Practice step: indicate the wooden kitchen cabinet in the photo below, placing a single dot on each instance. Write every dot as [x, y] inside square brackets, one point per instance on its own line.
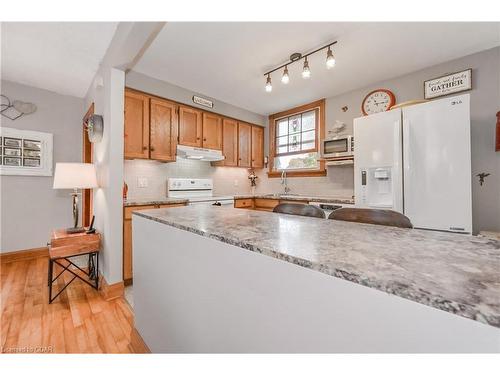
[212, 131]
[257, 147]
[190, 127]
[243, 203]
[136, 118]
[230, 142]
[127, 236]
[244, 145]
[163, 130]
[264, 204]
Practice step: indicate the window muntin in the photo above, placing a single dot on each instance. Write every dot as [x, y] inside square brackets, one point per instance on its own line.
[296, 142]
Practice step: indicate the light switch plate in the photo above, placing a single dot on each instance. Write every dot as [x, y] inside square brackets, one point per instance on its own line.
[142, 182]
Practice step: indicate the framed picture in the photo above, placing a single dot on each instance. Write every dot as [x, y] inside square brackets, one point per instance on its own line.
[12, 151]
[25, 152]
[448, 84]
[13, 162]
[33, 145]
[28, 162]
[12, 142]
[31, 153]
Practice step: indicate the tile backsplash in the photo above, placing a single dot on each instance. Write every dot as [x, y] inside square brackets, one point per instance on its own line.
[227, 181]
[339, 182]
[230, 181]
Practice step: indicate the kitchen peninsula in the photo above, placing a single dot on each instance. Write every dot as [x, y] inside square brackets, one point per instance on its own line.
[221, 279]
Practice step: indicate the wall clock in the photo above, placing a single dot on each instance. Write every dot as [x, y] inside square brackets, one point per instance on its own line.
[379, 100]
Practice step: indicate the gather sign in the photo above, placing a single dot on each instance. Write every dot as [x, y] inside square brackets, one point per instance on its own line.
[448, 84]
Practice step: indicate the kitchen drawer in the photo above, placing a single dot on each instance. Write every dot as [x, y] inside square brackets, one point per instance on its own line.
[127, 213]
[243, 203]
[266, 203]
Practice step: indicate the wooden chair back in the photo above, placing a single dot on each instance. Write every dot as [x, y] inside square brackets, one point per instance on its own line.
[299, 209]
[372, 216]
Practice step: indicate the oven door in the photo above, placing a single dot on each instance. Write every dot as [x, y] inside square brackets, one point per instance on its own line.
[336, 147]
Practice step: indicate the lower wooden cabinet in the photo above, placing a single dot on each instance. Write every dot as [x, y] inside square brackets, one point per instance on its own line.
[127, 236]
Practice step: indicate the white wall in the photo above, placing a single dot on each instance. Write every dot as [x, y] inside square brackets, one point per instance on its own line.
[108, 158]
[30, 208]
[485, 103]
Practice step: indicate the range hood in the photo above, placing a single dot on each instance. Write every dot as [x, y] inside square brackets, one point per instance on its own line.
[196, 153]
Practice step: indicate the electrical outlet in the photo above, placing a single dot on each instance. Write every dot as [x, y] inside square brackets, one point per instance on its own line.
[142, 182]
[235, 183]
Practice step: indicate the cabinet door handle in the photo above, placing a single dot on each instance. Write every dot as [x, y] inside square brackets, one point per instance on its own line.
[151, 148]
[144, 148]
[204, 139]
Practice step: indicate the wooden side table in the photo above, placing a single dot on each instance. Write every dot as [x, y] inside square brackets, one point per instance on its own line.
[64, 246]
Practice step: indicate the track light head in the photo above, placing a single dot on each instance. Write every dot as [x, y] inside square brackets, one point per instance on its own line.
[285, 78]
[330, 60]
[269, 86]
[306, 72]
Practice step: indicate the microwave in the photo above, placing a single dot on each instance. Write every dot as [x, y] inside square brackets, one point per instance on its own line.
[338, 147]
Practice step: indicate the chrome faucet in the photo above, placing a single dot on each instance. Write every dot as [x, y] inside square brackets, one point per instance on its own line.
[284, 182]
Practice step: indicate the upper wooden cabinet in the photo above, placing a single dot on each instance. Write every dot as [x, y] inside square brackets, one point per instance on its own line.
[244, 145]
[230, 142]
[190, 127]
[163, 130]
[257, 147]
[136, 125]
[212, 131]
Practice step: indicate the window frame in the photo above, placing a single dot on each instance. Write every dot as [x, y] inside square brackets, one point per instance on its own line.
[319, 106]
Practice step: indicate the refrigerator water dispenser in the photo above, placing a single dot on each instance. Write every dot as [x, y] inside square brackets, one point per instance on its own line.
[377, 187]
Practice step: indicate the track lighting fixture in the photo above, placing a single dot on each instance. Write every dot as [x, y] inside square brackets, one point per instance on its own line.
[285, 78]
[306, 71]
[269, 86]
[330, 60]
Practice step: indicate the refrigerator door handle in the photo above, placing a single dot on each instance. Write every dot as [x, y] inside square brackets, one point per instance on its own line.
[406, 145]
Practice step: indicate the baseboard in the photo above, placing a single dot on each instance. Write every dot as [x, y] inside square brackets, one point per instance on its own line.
[27, 254]
[111, 291]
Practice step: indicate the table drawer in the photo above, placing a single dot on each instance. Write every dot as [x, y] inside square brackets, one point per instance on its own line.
[243, 203]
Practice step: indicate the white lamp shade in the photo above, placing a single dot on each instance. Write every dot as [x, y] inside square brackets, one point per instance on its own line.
[75, 176]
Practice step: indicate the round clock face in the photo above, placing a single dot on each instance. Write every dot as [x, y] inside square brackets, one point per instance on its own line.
[378, 101]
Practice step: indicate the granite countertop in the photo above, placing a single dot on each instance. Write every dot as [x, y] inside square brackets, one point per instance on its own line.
[298, 197]
[456, 273]
[152, 201]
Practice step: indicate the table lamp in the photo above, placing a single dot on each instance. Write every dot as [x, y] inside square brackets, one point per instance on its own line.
[75, 176]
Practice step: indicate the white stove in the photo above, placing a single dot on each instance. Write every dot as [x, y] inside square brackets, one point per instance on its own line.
[197, 191]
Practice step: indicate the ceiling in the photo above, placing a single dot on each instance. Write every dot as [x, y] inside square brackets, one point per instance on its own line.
[226, 61]
[58, 56]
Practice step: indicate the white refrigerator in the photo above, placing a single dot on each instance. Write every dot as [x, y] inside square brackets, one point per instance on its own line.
[417, 160]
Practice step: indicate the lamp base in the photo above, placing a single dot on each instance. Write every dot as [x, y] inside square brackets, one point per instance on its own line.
[75, 230]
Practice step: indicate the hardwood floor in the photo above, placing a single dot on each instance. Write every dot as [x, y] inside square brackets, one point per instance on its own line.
[78, 321]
